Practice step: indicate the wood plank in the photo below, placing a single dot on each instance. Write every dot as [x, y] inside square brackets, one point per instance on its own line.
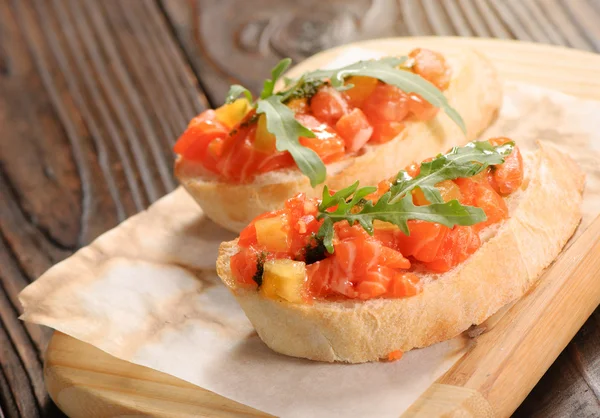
[107, 387]
[92, 98]
[492, 366]
[259, 33]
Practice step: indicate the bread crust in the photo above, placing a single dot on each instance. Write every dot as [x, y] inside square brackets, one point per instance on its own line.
[475, 91]
[501, 271]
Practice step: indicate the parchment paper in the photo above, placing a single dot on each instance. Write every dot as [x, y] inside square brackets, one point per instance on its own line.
[146, 292]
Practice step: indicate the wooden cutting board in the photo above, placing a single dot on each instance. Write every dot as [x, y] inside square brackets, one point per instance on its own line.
[488, 381]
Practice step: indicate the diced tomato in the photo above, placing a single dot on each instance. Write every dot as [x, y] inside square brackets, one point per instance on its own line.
[456, 247]
[507, 177]
[431, 66]
[363, 87]
[244, 266]
[413, 169]
[247, 236]
[382, 188]
[302, 213]
[385, 131]
[201, 130]
[298, 105]
[386, 103]
[296, 207]
[420, 108]
[355, 129]
[328, 105]
[395, 355]
[404, 284]
[476, 191]
[326, 143]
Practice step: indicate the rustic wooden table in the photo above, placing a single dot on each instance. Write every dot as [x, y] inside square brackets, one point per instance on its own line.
[93, 95]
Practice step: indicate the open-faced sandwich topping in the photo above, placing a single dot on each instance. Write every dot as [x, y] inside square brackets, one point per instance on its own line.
[363, 243]
[322, 117]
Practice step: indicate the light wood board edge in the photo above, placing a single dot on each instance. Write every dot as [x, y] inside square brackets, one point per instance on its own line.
[492, 372]
[85, 382]
[441, 401]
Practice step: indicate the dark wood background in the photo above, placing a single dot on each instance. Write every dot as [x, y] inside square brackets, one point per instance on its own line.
[93, 94]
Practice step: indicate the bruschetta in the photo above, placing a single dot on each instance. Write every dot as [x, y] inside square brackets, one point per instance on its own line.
[367, 273]
[248, 157]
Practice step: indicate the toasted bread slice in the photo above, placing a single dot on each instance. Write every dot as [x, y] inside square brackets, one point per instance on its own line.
[475, 91]
[544, 213]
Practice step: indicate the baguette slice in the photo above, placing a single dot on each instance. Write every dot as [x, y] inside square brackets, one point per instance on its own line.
[475, 91]
[543, 215]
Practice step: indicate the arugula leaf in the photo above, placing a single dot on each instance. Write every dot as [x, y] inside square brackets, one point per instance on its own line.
[300, 89]
[329, 200]
[339, 198]
[465, 161]
[386, 71]
[397, 207]
[446, 213]
[276, 72]
[236, 91]
[287, 130]
[326, 234]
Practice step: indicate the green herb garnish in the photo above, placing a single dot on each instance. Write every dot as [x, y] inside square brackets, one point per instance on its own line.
[397, 207]
[260, 268]
[465, 161]
[282, 123]
[315, 251]
[287, 130]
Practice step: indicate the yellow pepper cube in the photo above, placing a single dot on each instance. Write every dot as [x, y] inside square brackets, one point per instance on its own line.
[285, 279]
[233, 113]
[264, 140]
[272, 233]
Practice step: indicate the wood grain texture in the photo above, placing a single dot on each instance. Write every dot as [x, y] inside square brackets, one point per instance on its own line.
[92, 97]
[105, 387]
[261, 32]
[568, 293]
[93, 93]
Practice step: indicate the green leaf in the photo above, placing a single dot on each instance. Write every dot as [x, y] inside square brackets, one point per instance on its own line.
[276, 72]
[328, 201]
[386, 71]
[236, 91]
[287, 130]
[399, 213]
[339, 198]
[326, 234]
[460, 162]
[397, 207]
[449, 213]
